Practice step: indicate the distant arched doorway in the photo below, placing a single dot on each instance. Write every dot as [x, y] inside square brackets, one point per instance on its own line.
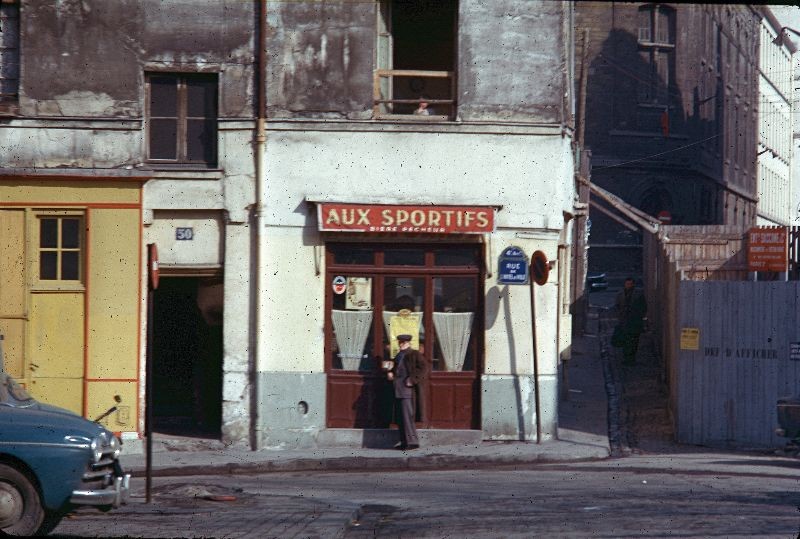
[656, 199]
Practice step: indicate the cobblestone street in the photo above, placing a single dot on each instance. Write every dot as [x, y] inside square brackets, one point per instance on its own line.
[687, 495]
[200, 507]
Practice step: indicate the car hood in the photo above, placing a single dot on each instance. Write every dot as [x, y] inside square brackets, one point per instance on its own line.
[45, 423]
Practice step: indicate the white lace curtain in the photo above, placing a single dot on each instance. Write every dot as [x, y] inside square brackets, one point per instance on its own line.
[352, 329]
[453, 331]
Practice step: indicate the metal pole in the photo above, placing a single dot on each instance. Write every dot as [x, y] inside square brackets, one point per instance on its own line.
[535, 364]
[148, 407]
[260, 212]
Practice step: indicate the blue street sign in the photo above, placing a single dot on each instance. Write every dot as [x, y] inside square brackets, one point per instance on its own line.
[512, 267]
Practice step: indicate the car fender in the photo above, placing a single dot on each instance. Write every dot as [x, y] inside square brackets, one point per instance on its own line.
[57, 467]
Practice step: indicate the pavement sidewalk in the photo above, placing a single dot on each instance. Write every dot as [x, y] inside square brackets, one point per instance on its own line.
[582, 435]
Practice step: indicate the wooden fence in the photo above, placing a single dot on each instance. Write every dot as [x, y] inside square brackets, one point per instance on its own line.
[720, 399]
[726, 390]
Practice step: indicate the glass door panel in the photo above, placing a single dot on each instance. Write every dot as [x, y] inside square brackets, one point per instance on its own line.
[351, 320]
[403, 311]
[455, 307]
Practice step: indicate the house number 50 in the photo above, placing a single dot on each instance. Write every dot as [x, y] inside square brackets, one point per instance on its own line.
[184, 233]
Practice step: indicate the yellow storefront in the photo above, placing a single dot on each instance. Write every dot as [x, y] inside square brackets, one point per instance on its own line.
[70, 292]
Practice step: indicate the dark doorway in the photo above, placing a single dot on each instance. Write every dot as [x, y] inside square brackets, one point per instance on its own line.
[187, 357]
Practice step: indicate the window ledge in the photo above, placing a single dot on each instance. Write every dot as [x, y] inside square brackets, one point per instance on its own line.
[412, 125]
[187, 173]
[415, 117]
[66, 287]
[9, 109]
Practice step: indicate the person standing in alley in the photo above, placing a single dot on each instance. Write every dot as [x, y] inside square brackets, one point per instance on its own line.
[409, 375]
[631, 309]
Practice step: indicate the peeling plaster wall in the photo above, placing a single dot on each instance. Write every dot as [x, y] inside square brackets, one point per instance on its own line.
[81, 106]
[530, 175]
[98, 51]
[73, 144]
[320, 59]
[512, 57]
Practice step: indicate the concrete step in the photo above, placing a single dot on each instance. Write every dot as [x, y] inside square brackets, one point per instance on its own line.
[170, 442]
[367, 438]
[385, 438]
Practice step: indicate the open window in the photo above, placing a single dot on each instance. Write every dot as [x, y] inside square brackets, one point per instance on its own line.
[656, 88]
[416, 58]
[9, 57]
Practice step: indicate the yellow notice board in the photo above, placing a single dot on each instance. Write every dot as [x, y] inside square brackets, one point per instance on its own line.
[690, 338]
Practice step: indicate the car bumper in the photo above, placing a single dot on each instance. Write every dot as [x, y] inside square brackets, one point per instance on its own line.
[113, 495]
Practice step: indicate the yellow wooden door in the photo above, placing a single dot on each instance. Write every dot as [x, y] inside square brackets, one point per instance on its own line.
[56, 349]
[13, 312]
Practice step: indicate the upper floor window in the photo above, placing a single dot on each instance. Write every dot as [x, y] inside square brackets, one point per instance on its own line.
[656, 85]
[60, 246]
[182, 119]
[9, 55]
[656, 25]
[415, 75]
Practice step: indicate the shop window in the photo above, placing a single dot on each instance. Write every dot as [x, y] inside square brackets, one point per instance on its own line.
[430, 293]
[403, 311]
[351, 255]
[352, 315]
[60, 248]
[416, 47]
[656, 84]
[9, 56]
[404, 257]
[467, 256]
[455, 305]
[182, 119]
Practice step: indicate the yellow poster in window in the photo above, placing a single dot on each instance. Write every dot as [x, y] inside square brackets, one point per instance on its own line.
[404, 322]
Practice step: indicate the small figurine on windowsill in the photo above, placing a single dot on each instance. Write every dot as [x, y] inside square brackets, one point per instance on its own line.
[422, 109]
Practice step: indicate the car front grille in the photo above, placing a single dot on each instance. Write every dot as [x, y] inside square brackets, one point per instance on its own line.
[100, 475]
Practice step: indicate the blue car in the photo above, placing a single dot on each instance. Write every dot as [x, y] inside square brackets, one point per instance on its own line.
[52, 461]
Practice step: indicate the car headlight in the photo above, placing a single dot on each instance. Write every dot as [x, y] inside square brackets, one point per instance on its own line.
[97, 448]
[116, 446]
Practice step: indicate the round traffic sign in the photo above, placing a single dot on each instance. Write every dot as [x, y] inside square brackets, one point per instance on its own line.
[152, 265]
[540, 268]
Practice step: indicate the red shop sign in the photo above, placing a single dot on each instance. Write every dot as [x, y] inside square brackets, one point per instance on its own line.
[405, 219]
[767, 249]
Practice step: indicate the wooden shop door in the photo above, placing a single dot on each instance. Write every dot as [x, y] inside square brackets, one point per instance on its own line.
[376, 292]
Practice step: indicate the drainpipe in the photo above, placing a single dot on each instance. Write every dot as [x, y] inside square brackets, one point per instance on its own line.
[260, 258]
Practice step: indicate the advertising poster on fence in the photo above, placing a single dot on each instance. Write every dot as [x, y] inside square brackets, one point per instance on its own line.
[767, 249]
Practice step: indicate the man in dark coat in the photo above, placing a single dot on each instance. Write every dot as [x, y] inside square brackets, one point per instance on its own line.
[410, 377]
[631, 309]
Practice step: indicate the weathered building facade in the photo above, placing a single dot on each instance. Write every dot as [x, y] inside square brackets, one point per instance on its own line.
[344, 80]
[672, 103]
[364, 184]
[776, 186]
[135, 121]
